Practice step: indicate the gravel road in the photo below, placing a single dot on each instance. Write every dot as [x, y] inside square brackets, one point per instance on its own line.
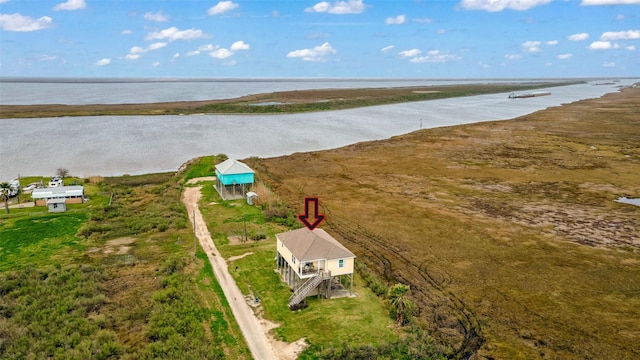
[253, 331]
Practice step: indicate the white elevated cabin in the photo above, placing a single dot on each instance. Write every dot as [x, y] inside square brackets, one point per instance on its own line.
[313, 259]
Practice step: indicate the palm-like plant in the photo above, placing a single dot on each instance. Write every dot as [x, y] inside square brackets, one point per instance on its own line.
[5, 190]
[403, 306]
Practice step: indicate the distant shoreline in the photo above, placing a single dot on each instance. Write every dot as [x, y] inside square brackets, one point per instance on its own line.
[76, 80]
[285, 102]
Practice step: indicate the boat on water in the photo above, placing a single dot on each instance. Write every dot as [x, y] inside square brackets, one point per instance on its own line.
[528, 95]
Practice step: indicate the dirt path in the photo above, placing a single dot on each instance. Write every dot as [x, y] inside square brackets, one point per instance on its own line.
[252, 329]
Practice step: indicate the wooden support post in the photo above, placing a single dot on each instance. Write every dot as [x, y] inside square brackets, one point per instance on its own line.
[351, 287]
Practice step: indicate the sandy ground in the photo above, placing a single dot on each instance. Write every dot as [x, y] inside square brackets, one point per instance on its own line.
[255, 330]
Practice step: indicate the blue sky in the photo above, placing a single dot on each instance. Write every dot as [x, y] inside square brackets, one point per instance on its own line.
[299, 38]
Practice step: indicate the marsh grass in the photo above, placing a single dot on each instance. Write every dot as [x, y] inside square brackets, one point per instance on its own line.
[202, 167]
[112, 281]
[506, 231]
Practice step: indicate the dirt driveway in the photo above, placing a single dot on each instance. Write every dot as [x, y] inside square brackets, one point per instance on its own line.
[255, 330]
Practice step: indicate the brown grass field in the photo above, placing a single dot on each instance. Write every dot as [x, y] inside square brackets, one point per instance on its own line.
[507, 231]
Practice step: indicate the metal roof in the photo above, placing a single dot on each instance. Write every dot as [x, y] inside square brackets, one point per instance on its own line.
[61, 191]
[231, 166]
[317, 244]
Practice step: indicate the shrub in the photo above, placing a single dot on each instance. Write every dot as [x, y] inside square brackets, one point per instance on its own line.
[299, 306]
[258, 236]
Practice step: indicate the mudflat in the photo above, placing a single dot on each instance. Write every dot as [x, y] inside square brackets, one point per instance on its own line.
[508, 232]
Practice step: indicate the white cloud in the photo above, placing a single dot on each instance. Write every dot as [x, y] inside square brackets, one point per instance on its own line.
[239, 45]
[400, 19]
[410, 53]
[222, 7]
[441, 31]
[338, 7]
[552, 42]
[631, 48]
[17, 22]
[578, 37]
[620, 17]
[173, 33]
[217, 52]
[156, 46]
[620, 35]
[531, 46]
[136, 51]
[609, 64]
[221, 53]
[386, 49]
[207, 47]
[158, 17]
[609, 2]
[4, 1]
[175, 56]
[156, 64]
[499, 5]
[126, 32]
[316, 54]
[564, 56]
[434, 56]
[513, 56]
[70, 5]
[103, 62]
[600, 45]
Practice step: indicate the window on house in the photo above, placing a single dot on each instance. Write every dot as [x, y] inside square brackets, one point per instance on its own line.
[341, 263]
[293, 259]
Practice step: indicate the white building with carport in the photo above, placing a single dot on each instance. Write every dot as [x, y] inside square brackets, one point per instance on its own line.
[57, 197]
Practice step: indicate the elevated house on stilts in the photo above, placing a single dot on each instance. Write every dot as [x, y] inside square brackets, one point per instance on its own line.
[233, 179]
[312, 263]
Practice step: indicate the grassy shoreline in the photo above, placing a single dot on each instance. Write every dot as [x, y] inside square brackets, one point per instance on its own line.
[277, 102]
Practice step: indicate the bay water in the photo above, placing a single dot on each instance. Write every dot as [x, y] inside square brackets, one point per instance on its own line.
[116, 145]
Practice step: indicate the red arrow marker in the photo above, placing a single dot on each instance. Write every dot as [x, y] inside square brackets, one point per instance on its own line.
[317, 218]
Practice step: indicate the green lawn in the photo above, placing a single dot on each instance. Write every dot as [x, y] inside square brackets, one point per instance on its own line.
[36, 240]
[358, 321]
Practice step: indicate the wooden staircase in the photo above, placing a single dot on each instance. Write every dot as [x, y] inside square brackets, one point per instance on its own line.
[304, 290]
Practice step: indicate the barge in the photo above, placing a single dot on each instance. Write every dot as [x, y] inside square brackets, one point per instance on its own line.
[528, 95]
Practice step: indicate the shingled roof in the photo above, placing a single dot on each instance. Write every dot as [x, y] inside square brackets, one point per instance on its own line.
[307, 245]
